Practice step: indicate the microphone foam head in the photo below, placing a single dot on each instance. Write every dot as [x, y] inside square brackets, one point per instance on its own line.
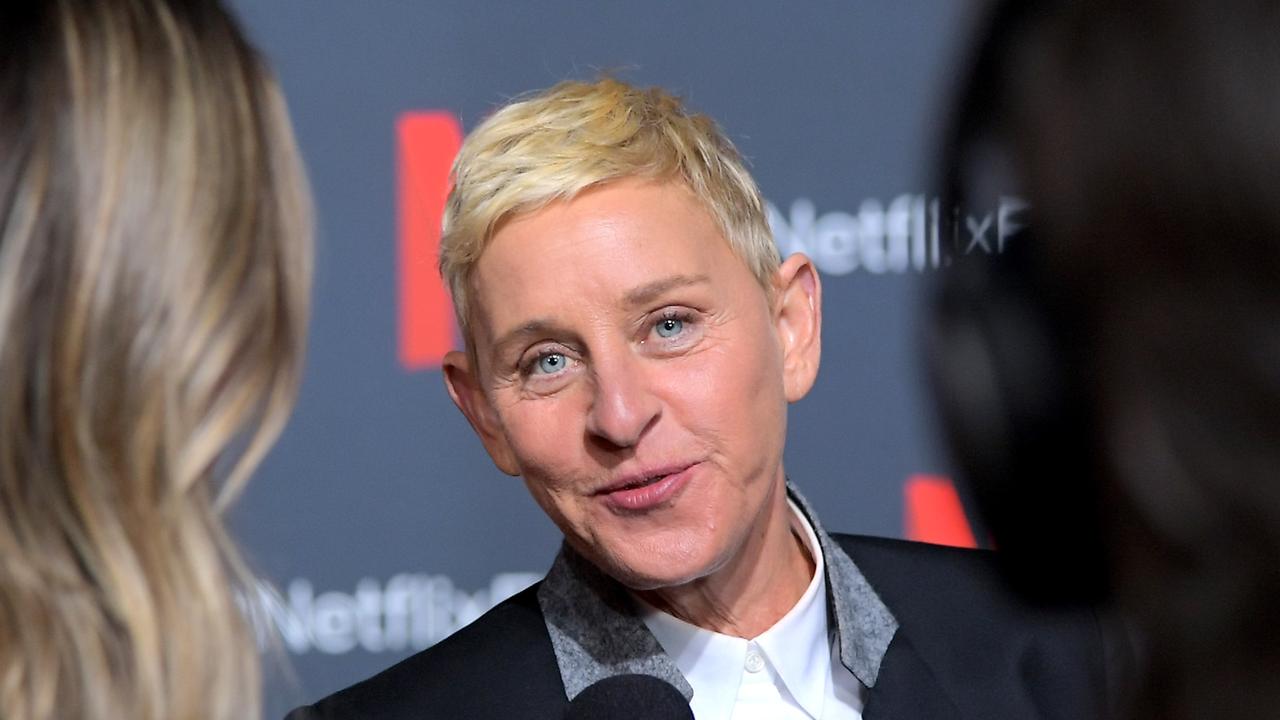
[630, 697]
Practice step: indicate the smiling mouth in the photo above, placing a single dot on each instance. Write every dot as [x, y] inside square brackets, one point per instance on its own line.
[642, 494]
[643, 481]
[632, 484]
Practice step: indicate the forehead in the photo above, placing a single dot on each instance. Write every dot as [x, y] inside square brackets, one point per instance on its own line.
[595, 249]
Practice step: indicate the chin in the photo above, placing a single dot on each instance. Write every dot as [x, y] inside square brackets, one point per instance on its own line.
[641, 582]
[641, 571]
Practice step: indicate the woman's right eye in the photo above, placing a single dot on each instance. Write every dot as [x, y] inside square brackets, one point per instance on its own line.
[550, 363]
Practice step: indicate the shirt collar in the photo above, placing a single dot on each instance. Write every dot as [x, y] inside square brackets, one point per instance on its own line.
[710, 661]
[797, 647]
[596, 632]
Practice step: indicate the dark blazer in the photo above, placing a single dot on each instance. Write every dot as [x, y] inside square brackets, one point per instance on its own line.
[964, 648]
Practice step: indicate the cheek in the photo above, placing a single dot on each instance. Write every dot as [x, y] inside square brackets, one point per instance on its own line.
[732, 394]
[545, 437]
[545, 497]
[743, 374]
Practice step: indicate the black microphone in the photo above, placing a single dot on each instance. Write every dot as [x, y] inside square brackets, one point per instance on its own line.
[629, 697]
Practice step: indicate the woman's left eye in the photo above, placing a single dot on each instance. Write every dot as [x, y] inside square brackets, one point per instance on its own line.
[669, 327]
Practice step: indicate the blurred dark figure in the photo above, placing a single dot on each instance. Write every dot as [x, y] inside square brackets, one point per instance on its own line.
[1111, 382]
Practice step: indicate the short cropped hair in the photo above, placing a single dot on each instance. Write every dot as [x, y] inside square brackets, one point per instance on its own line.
[576, 135]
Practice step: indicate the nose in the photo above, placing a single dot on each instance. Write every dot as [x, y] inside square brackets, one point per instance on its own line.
[623, 405]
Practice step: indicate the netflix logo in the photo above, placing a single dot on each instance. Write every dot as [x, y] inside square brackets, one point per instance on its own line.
[427, 143]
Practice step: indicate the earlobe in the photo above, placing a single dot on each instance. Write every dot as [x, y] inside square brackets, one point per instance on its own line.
[462, 382]
[798, 319]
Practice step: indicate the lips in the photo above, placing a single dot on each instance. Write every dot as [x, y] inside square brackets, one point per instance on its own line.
[645, 490]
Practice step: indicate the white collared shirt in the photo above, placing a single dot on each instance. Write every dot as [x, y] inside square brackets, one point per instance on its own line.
[791, 670]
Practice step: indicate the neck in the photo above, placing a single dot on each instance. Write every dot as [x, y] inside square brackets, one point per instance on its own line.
[763, 580]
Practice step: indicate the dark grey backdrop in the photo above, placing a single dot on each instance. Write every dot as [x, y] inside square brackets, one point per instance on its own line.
[378, 516]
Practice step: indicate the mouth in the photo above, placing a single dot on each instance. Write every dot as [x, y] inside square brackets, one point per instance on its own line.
[646, 490]
[641, 480]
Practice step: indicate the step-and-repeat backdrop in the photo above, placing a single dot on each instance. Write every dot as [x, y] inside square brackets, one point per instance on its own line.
[378, 519]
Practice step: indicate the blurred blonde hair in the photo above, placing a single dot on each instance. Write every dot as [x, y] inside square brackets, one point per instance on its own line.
[154, 272]
[556, 143]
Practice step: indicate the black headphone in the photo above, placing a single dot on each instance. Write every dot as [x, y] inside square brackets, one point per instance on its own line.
[1008, 375]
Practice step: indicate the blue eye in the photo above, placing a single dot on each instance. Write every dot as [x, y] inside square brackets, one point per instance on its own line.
[552, 363]
[669, 327]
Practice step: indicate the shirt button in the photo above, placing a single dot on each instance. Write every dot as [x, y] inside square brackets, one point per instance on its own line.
[754, 663]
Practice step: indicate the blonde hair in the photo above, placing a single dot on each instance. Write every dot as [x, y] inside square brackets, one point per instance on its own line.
[556, 143]
[154, 272]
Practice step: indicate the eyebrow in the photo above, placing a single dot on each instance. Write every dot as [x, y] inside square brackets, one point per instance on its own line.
[649, 292]
[537, 326]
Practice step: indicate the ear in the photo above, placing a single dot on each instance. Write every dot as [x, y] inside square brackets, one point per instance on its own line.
[462, 381]
[798, 321]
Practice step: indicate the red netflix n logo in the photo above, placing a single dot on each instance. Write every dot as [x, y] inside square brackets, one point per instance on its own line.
[428, 142]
